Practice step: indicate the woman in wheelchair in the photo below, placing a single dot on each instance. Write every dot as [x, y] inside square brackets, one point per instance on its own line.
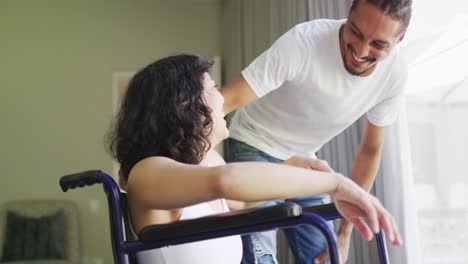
[163, 137]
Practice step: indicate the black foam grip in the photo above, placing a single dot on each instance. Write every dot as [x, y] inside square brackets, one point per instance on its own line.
[321, 209]
[80, 179]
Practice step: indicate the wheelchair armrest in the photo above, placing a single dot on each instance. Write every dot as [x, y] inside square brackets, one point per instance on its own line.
[219, 222]
[327, 211]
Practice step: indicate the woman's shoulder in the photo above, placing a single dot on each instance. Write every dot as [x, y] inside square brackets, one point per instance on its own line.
[154, 161]
[151, 165]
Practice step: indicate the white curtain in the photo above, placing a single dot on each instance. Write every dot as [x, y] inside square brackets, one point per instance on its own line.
[393, 186]
[249, 28]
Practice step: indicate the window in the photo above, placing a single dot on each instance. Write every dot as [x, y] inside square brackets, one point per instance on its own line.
[437, 105]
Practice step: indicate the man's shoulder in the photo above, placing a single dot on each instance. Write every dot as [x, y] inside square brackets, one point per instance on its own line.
[318, 26]
[314, 32]
[397, 66]
[393, 73]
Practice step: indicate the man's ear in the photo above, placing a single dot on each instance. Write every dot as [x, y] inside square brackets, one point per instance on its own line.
[401, 37]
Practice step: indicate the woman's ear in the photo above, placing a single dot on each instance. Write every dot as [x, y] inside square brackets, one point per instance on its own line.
[122, 180]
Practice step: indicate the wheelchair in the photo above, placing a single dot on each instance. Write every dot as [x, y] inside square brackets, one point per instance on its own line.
[125, 243]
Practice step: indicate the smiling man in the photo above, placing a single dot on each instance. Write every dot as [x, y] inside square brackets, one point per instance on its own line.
[311, 84]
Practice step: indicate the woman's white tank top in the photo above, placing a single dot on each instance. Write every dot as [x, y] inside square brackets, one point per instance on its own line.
[226, 250]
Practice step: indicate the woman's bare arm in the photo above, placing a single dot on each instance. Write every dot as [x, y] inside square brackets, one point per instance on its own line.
[162, 183]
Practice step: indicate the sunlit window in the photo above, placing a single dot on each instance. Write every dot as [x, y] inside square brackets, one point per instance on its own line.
[437, 104]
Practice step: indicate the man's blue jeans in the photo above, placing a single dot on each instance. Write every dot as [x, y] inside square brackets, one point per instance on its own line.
[306, 242]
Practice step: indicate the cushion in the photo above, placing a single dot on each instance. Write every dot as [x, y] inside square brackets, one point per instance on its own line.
[29, 238]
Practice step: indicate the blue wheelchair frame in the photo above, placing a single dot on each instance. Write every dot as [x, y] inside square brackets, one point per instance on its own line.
[220, 225]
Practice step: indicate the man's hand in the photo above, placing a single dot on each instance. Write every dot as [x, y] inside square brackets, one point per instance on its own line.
[308, 163]
[322, 257]
[344, 237]
[355, 205]
[343, 244]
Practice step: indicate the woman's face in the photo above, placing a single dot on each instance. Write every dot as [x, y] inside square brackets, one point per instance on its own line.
[215, 101]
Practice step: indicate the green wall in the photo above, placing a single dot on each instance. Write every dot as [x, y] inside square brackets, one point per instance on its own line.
[56, 64]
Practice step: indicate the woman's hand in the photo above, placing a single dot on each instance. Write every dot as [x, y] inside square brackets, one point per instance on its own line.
[355, 205]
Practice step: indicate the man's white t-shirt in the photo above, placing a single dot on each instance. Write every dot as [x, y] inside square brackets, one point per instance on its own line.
[306, 96]
[220, 250]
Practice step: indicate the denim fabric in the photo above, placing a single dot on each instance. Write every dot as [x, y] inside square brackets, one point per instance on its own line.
[306, 242]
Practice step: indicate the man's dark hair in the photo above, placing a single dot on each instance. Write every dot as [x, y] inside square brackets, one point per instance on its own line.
[397, 9]
[163, 114]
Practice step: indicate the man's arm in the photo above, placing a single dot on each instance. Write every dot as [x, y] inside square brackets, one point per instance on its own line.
[367, 161]
[237, 93]
[365, 167]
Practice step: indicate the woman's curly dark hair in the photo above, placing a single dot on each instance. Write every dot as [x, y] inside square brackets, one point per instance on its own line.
[163, 114]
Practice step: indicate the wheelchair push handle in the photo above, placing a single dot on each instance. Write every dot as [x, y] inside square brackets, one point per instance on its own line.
[80, 179]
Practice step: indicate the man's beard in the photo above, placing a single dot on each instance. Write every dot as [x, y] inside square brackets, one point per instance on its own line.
[352, 72]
